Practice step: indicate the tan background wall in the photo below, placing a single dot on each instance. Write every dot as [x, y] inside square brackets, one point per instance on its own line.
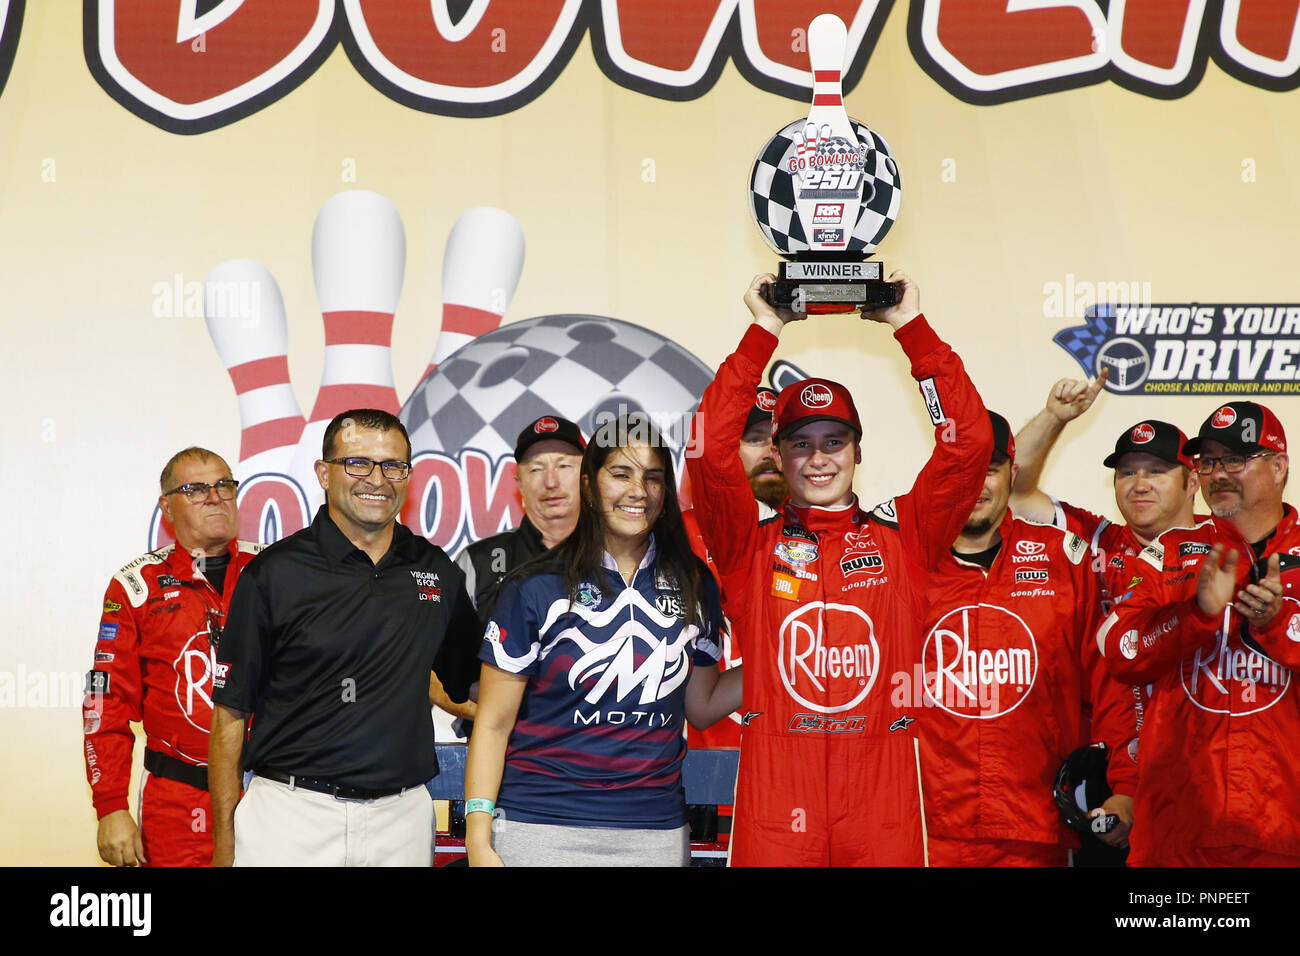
[1100, 184]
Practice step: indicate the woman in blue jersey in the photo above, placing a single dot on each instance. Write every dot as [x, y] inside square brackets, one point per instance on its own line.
[596, 653]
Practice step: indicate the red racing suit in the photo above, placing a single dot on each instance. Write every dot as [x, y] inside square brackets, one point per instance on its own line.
[726, 732]
[1011, 673]
[828, 604]
[153, 664]
[1220, 766]
[1109, 545]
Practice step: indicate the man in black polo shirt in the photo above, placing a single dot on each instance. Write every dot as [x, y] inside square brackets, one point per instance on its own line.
[548, 460]
[330, 640]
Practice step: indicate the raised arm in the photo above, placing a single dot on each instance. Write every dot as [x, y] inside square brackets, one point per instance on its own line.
[729, 523]
[936, 509]
[1068, 399]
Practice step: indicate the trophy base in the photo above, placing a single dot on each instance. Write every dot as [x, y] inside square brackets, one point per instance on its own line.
[823, 284]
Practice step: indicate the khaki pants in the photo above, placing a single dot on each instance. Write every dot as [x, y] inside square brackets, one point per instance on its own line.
[279, 826]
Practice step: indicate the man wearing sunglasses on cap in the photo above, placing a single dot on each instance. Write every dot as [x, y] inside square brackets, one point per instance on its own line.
[330, 641]
[162, 618]
[1213, 619]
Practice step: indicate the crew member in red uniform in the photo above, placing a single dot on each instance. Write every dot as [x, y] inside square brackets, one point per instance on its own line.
[1155, 487]
[154, 663]
[757, 455]
[1011, 673]
[1213, 619]
[828, 599]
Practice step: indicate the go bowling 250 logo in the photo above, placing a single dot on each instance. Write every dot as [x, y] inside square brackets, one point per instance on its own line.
[1187, 348]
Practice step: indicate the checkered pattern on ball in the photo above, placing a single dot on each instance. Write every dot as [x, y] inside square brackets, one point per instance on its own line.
[573, 366]
[772, 192]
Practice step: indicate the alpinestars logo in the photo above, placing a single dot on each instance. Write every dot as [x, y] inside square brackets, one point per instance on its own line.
[1186, 348]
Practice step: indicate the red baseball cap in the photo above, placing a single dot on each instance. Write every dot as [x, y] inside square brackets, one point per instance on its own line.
[814, 400]
[1245, 427]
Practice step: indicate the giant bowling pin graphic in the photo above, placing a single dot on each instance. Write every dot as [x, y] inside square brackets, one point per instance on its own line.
[245, 316]
[358, 257]
[481, 266]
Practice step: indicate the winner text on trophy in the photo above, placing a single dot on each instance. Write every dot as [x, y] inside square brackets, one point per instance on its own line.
[824, 191]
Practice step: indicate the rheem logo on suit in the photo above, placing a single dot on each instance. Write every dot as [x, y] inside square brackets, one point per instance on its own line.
[981, 682]
[832, 674]
[1231, 678]
[194, 667]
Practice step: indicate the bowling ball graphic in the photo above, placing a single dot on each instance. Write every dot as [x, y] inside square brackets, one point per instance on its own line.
[772, 190]
[586, 368]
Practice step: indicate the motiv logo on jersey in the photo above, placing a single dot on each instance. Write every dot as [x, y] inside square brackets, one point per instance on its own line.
[982, 684]
[613, 664]
[828, 679]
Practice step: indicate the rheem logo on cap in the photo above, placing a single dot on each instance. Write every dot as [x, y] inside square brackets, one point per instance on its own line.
[1224, 417]
[766, 401]
[815, 396]
[546, 425]
[1142, 434]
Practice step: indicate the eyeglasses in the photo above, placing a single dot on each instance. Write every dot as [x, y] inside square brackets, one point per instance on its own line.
[1231, 463]
[197, 491]
[363, 467]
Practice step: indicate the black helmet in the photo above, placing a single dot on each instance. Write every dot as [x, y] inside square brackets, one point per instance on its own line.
[1081, 787]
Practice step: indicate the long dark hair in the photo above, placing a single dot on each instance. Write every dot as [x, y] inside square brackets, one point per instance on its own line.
[578, 557]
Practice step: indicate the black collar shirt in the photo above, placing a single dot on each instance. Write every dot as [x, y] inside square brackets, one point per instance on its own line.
[330, 653]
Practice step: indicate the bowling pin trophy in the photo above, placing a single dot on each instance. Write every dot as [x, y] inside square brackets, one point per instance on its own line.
[823, 192]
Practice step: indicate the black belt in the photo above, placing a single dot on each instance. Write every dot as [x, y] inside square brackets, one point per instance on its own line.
[341, 790]
[161, 765]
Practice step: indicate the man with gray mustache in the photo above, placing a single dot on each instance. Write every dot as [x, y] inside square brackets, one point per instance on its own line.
[1213, 619]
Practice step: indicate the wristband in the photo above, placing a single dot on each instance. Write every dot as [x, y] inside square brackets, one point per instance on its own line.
[479, 805]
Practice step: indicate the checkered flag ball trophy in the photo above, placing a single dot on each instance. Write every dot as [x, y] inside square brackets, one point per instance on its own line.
[823, 192]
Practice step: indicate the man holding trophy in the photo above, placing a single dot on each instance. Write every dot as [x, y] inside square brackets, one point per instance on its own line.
[828, 596]
[832, 598]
